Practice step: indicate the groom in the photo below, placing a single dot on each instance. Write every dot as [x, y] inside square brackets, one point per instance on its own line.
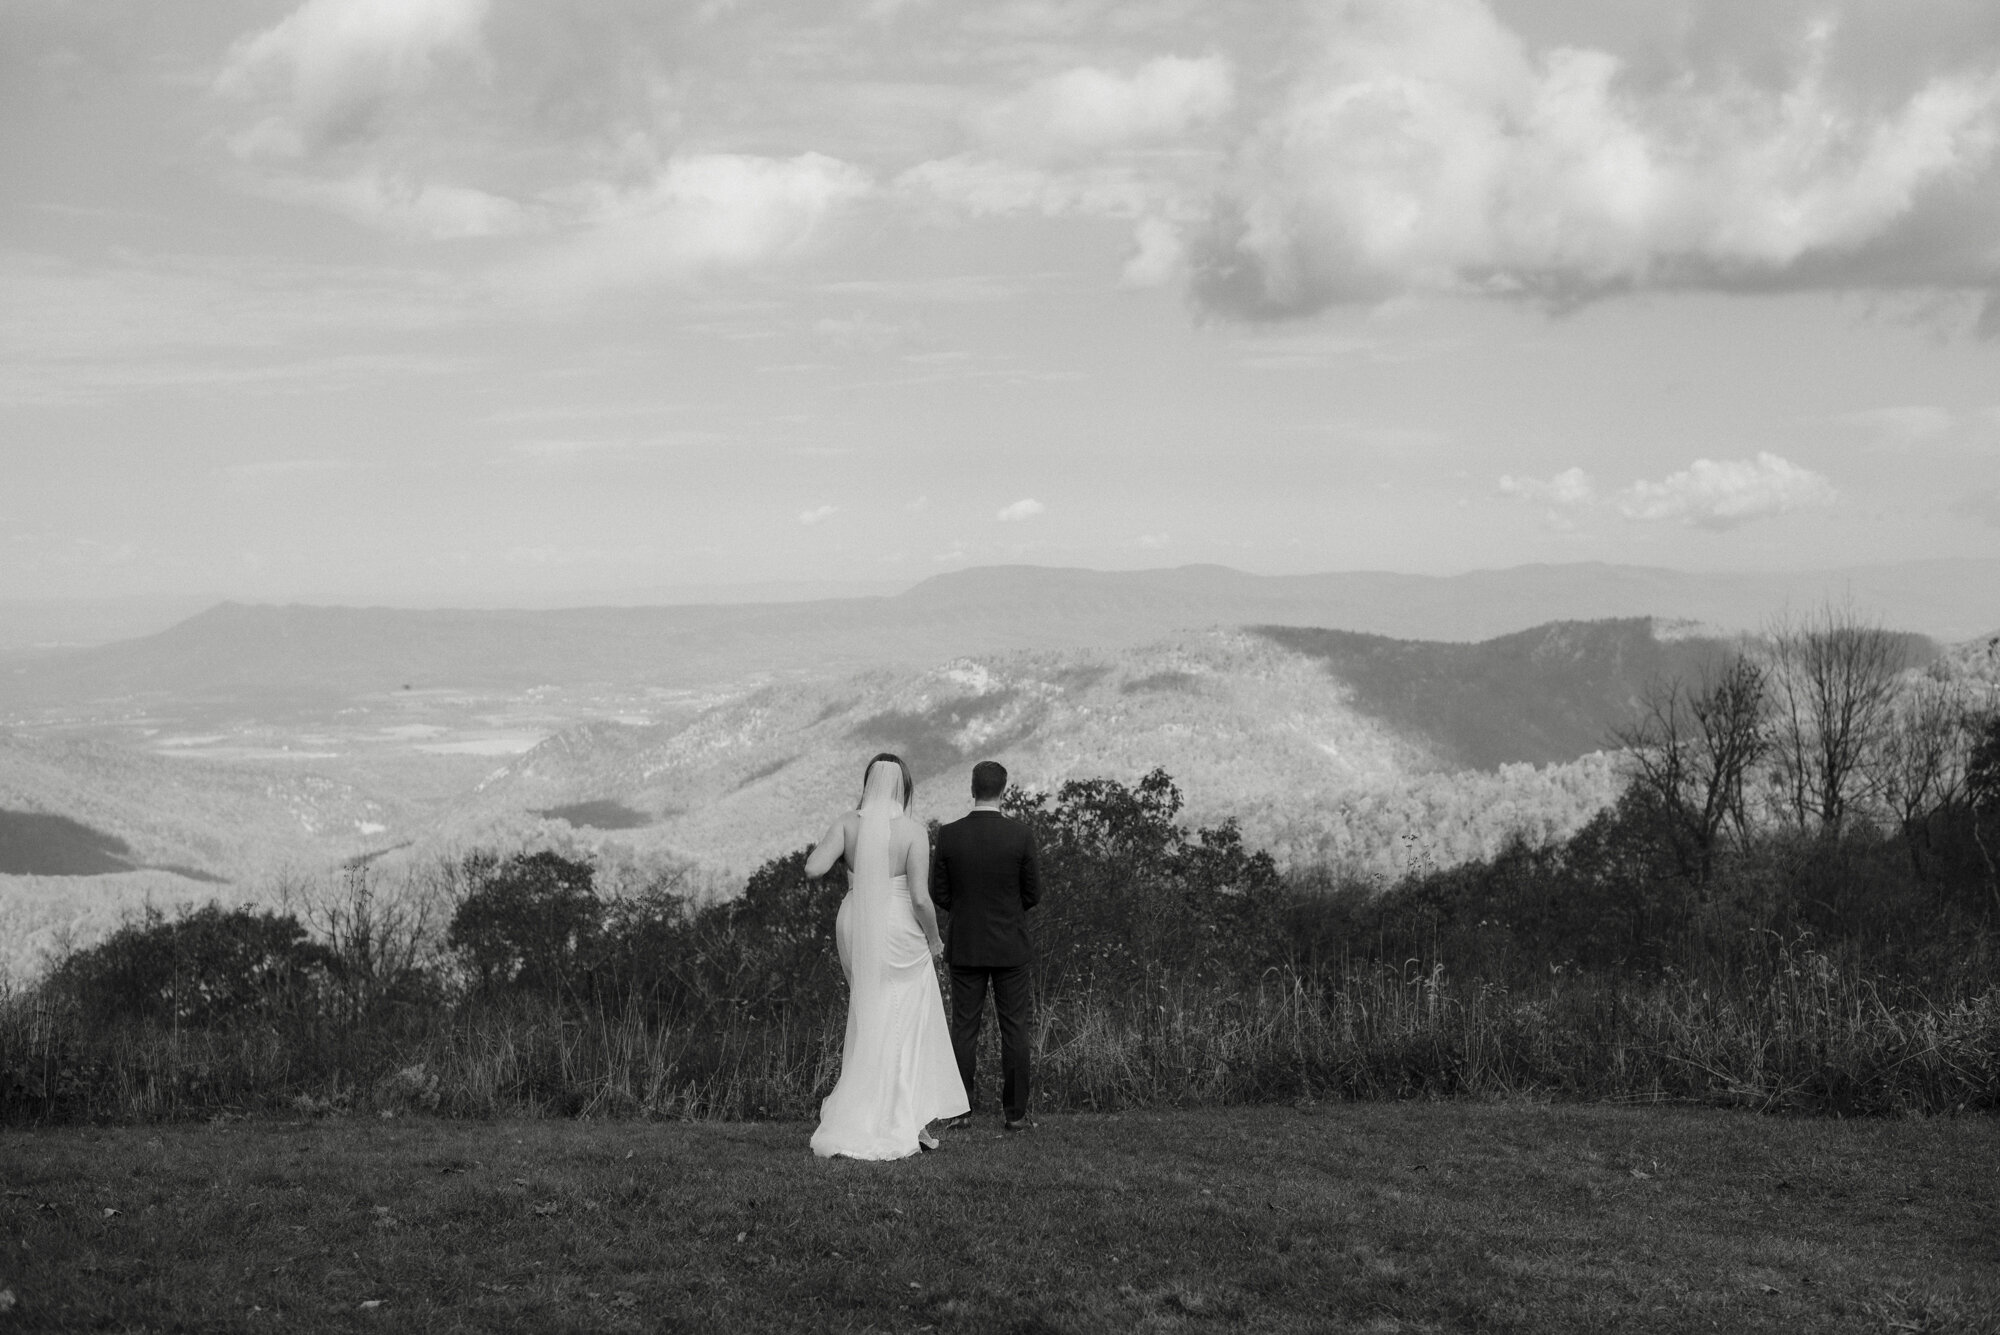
[984, 875]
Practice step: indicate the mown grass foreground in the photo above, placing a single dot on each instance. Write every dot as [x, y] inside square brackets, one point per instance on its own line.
[1338, 1216]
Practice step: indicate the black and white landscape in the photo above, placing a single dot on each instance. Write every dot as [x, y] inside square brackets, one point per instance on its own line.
[1474, 526]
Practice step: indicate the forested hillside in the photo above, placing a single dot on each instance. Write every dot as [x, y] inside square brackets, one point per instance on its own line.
[1313, 765]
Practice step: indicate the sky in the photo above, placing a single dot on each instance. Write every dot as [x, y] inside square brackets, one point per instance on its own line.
[430, 301]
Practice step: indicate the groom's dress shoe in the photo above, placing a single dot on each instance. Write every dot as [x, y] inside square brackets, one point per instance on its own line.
[1022, 1125]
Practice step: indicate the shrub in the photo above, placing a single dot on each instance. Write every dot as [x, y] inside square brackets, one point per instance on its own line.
[1127, 890]
[528, 922]
[199, 968]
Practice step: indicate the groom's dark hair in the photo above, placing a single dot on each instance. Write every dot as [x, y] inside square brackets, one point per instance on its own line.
[989, 780]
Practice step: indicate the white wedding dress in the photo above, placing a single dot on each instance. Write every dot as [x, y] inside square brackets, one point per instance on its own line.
[897, 1071]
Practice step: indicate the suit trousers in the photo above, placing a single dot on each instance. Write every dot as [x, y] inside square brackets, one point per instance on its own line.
[1013, 999]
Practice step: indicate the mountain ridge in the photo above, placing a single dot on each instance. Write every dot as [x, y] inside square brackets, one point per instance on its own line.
[263, 653]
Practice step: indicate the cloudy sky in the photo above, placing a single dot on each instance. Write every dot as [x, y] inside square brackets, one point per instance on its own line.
[423, 300]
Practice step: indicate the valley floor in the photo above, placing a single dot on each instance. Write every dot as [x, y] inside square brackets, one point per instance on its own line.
[1334, 1217]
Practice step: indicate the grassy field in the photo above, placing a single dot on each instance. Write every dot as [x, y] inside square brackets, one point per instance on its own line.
[1346, 1216]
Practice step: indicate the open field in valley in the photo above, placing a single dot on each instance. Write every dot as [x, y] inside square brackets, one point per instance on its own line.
[1371, 1216]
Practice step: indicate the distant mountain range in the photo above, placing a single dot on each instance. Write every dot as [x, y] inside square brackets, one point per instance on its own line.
[58, 623]
[279, 659]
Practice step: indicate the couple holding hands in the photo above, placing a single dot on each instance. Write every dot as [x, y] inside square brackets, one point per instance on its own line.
[901, 1069]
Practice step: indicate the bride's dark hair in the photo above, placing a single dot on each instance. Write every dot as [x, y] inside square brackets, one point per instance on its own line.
[909, 784]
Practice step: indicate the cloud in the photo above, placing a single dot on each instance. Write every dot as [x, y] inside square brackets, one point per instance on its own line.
[699, 212]
[1572, 486]
[1158, 255]
[447, 119]
[1427, 148]
[817, 515]
[334, 65]
[883, 11]
[1903, 428]
[1723, 493]
[992, 187]
[1563, 495]
[1020, 510]
[393, 203]
[77, 332]
[1088, 109]
[1709, 493]
[560, 451]
[1090, 142]
[266, 469]
[865, 332]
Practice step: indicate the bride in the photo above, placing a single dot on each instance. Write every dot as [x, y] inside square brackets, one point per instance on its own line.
[897, 1072]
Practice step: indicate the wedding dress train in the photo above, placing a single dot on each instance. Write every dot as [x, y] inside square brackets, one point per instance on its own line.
[897, 1071]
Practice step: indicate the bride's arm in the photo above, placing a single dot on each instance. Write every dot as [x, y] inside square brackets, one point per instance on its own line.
[917, 866]
[828, 850]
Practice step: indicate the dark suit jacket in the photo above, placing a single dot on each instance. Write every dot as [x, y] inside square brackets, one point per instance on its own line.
[984, 875]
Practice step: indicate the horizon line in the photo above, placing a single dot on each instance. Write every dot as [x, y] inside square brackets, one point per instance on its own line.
[723, 593]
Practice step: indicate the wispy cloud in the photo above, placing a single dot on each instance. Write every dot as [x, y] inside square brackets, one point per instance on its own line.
[1026, 508]
[143, 304]
[562, 449]
[329, 69]
[1091, 142]
[1089, 109]
[865, 332]
[819, 514]
[698, 213]
[388, 202]
[1903, 425]
[1572, 486]
[982, 186]
[1928, 431]
[256, 470]
[1563, 497]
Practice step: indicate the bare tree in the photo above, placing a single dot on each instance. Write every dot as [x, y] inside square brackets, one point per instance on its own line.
[1982, 791]
[1833, 689]
[386, 938]
[1692, 750]
[1921, 763]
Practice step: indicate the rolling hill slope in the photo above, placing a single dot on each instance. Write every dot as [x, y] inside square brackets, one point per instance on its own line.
[200, 819]
[1539, 696]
